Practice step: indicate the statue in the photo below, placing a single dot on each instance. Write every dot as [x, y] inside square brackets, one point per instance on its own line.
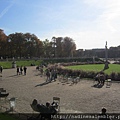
[106, 57]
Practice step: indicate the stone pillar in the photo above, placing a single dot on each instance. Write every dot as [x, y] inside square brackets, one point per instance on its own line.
[106, 57]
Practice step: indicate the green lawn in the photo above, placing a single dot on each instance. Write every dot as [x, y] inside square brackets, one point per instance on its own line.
[96, 68]
[91, 67]
[8, 64]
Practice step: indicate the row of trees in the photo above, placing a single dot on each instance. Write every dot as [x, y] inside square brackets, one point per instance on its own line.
[29, 45]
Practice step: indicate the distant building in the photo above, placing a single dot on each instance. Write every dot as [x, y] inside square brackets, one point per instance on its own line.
[113, 52]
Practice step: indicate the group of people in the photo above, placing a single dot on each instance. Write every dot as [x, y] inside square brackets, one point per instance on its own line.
[45, 110]
[100, 77]
[40, 68]
[49, 110]
[21, 69]
[51, 74]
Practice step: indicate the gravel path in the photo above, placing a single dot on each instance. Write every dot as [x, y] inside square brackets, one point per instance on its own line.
[81, 97]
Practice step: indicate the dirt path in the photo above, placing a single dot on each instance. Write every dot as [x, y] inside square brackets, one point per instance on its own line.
[82, 97]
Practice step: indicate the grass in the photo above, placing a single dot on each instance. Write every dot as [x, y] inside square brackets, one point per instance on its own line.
[6, 117]
[96, 68]
[8, 64]
[91, 67]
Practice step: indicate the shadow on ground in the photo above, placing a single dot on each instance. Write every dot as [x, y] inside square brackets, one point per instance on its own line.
[45, 83]
[98, 85]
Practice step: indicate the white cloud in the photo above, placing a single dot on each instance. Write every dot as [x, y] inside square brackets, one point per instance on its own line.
[6, 9]
[93, 34]
[105, 27]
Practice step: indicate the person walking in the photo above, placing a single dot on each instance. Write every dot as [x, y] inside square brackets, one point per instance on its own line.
[1, 69]
[25, 69]
[18, 70]
[21, 70]
[48, 75]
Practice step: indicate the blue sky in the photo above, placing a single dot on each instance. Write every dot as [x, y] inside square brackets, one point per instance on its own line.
[90, 23]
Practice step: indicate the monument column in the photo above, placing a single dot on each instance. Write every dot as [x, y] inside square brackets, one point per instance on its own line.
[106, 57]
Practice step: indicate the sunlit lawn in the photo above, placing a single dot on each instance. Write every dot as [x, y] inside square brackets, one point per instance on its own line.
[96, 68]
[8, 64]
[91, 67]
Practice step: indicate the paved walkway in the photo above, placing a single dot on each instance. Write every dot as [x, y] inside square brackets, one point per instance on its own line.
[82, 97]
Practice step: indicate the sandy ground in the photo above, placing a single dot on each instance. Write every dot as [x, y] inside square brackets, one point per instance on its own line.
[81, 97]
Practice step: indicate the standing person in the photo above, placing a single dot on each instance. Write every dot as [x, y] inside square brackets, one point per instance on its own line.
[52, 74]
[55, 75]
[48, 75]
[1, 69]
[102, 78]
[21, 69]
[103, 115]
[97, 78]
[25, 69]
[18, 70]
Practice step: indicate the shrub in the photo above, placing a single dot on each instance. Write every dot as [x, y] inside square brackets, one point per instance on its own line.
[113, 76]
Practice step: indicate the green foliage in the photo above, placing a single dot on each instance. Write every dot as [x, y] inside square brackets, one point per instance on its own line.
[90, 71]
[70, 60]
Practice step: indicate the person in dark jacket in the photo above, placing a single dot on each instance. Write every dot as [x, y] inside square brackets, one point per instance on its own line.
[25, 69]
[21, 69]
[1, 69]
[103, 115]
[18, 71]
